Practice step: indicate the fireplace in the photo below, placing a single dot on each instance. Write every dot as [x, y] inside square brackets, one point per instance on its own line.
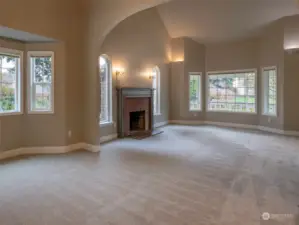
[137, 121]
[135, 111]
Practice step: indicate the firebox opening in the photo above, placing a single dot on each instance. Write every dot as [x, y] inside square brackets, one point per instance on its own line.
[137, 121]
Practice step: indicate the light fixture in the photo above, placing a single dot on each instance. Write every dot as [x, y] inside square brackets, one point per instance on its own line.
[119, 72]
[294, 50]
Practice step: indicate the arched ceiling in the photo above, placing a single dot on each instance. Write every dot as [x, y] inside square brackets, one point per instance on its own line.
[218, 20]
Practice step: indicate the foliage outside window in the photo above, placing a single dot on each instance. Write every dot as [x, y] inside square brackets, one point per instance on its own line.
[106, 90]
[194, 91]
[156, 90]
[10, 101]
[232, 92]
[270, 91]
[41, 82]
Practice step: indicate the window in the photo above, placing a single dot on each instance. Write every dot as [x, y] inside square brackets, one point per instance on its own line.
[41, 78]
[156, 91]
[269, 91]
[194, 91]
[232, 91]
[106, 90]
[10, 81]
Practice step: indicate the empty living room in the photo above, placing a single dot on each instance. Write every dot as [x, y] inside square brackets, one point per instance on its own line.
[149, 112]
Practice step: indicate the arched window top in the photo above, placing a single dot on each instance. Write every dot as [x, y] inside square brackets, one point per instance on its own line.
[106, 89]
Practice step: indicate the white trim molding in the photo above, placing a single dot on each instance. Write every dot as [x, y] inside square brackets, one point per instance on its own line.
[236, 125]
[187, 122]
[48, 150]
[108, 138]
[161, 124]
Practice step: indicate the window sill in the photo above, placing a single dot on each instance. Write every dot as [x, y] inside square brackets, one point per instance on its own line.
[245, 113]
[198, 110]
[40, 112]
[106, 124]
[269, 115]
[157, 114]
[11, 113]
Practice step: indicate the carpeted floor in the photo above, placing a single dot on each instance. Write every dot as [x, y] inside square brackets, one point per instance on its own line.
[185, 176]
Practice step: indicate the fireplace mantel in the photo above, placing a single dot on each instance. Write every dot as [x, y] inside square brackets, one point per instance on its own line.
[125, 93]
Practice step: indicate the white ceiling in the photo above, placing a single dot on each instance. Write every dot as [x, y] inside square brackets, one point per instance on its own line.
[218, 20]
[22, 36]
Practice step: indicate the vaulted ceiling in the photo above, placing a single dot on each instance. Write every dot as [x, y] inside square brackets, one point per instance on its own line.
[218, 20]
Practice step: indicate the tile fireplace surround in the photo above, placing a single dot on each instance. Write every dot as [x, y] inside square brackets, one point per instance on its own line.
[134, 100]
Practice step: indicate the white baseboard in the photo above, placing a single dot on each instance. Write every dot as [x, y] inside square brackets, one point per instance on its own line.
[236, 125]
[108, 138]
[186, 122]
[48, 150]
[233, 125]
[161, 124]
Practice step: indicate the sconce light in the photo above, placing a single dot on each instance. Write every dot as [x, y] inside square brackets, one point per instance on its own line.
[151, 76]
[179, 59]
[292, 50]
[119, 72]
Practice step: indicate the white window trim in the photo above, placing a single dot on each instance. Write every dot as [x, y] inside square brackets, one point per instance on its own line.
[158, 92]
[263, 89]
[19, 79]
[29, 80]
[231, 71]
[110, 87]
[200, 91]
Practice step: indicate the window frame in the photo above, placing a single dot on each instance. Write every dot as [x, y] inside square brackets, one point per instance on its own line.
[263, 69]
[109, 92]
[254, 70]
[200, 91]
[30, 79]
[19, 81]
[158, 91]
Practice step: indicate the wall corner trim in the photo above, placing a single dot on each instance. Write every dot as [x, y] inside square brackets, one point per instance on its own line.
[161, 124]
[48, 150]
[109, 137]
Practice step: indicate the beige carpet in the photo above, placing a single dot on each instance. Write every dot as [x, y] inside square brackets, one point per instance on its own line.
[185, 176]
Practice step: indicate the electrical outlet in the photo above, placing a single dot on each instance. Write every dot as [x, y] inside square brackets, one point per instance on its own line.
[269, 120]
[114, 124]
[194, 114]
[69, 133]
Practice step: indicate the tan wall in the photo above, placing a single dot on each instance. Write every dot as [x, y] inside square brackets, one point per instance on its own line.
[11, 126]
[291, 94]
[63, 21]
[47, 129]
[138, 44]
[232, 56]
[194, 61]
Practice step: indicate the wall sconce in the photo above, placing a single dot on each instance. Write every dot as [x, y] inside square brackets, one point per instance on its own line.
[178, 60]
[151, 76]
[119, 72]
[292, 50]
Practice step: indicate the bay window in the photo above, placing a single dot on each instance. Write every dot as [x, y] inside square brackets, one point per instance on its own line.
[10, 81]
[232, 91]
[41, 85]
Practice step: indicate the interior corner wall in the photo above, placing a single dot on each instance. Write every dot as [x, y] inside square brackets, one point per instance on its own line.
[291, 76]
[194, 61]
[237, 55]
[47, 129]
[138, 44]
